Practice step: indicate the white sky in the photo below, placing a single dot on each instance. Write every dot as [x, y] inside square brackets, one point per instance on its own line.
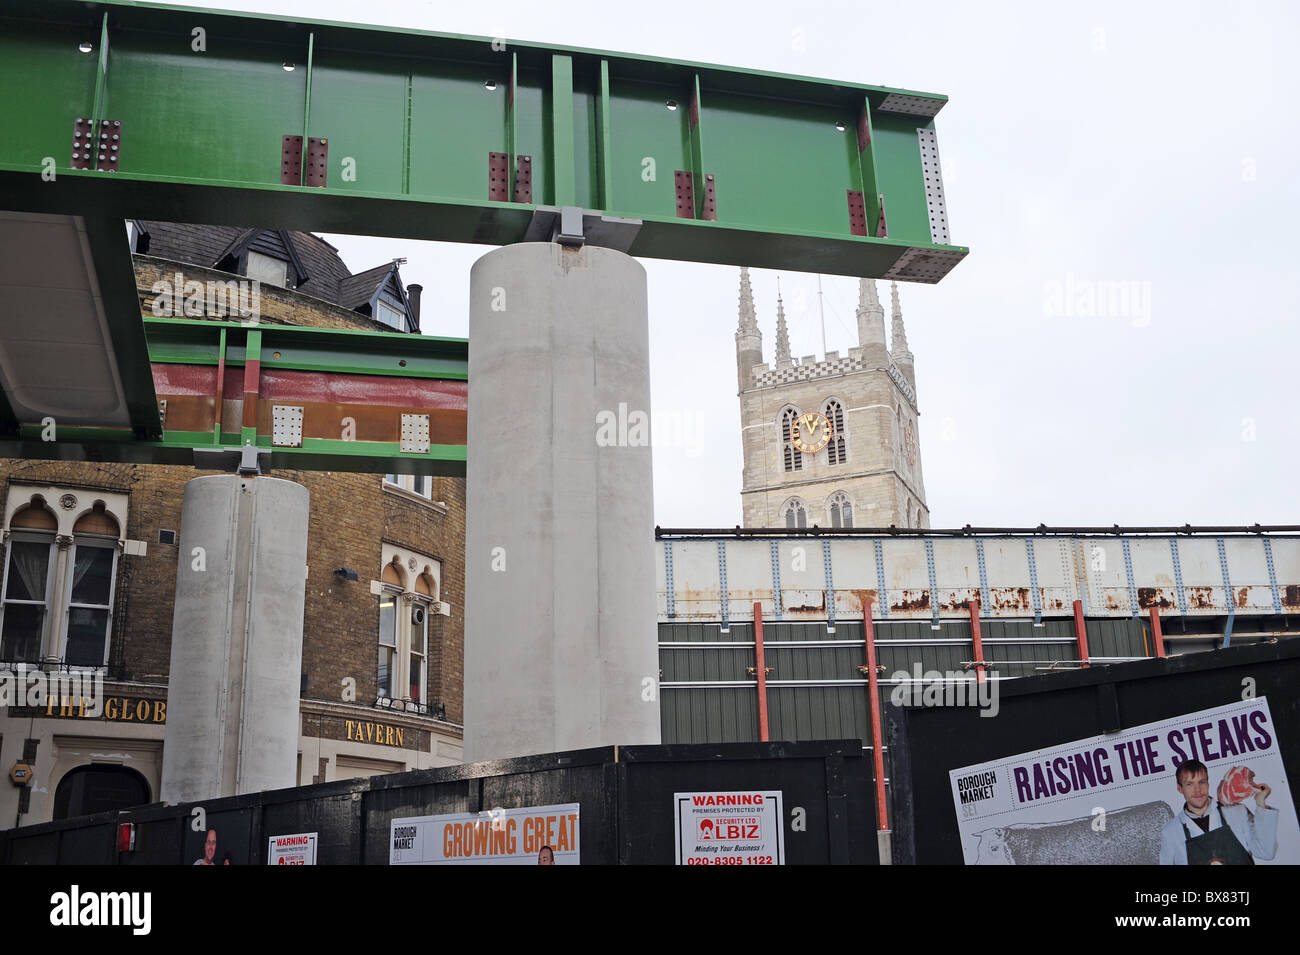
[1153, 144]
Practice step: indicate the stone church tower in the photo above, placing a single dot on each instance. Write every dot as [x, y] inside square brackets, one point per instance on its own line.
[869, 475]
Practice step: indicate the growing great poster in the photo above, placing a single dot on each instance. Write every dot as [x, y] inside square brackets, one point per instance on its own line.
[1115, 799]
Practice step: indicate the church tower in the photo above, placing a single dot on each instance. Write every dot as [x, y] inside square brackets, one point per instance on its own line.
[868, 474]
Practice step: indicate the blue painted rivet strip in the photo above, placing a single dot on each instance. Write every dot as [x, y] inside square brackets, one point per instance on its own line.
[1229, 597]
[722, 583]
[986, 601]
[668, 577]
[934, 596]
[1033, 580]
[1272, 576]
[1128, 571]
[1083, 591]
[830, 587]
[776, 579]
[1178, 577]
[882, 597]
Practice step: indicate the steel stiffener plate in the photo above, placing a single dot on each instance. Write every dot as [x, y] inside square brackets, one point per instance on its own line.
[286, 426]
[415, 434]
[934, 200]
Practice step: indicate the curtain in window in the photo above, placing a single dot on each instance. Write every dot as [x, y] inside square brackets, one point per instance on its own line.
[92, 575]
[31, 562]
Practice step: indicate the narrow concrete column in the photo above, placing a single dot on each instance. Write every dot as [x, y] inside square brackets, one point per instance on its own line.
[560, 632]
[232, 697]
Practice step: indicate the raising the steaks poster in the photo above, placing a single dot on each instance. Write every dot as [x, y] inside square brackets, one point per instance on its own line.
[1204, 788]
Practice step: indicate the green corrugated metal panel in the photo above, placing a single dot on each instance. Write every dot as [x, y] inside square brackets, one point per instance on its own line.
[685, 632]
[814, 663]
[690, 665]
[818, 712]
[777, 632]
[1119, 638]
[723, 715]
[909, 630]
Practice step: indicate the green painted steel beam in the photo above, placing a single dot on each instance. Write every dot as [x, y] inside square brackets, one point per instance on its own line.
[371, 377]
[98, 444]
[304, 348]
[409, 118]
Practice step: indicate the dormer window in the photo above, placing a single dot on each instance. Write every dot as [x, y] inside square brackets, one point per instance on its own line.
[265, 268]
[390, 316]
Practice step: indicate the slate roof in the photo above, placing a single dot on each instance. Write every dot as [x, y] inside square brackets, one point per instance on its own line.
[207, 245]
[357, 290]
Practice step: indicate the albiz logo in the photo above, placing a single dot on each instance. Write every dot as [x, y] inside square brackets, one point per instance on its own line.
[730, 829]
[102, 908]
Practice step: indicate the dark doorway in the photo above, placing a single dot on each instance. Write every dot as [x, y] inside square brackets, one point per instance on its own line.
[90, 789]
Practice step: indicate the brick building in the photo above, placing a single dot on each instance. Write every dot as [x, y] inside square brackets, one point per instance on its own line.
[90, 561]
[869, 473]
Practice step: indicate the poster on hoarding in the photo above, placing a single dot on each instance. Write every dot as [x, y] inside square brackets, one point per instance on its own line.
[494, 837]
[297, 849]
[741, 828]
[1205, 788]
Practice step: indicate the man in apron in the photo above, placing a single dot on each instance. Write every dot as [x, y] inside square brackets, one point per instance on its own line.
[1207, 833]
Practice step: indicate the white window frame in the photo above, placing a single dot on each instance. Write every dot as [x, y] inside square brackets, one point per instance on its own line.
[98, 543]
[31, 537]
[411, 484]
[422, 633]
[393, 593]
[269, 269]
[399, 318]
[406, 599]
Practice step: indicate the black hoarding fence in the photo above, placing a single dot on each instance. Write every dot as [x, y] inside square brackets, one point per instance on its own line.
[1038, 712]
[625, 795]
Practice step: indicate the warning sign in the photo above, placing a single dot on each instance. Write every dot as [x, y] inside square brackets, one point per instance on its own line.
[297, 849]
[739, 828]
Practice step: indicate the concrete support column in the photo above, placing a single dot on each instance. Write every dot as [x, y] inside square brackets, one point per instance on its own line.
[232, 699]
[560, 630]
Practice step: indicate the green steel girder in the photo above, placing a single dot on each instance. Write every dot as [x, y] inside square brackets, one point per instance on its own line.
[354, 385]
[409, 119]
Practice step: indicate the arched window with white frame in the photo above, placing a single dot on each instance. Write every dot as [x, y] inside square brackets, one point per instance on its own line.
[93, 563]
[29, 574]
[60, 571]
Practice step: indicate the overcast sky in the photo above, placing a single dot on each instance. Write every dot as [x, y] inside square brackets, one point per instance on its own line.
[1153, 145]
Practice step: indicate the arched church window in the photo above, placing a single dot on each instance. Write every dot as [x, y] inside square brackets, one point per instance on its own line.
[795, 513]
[835, 450]
[791, 457]
[841, 510]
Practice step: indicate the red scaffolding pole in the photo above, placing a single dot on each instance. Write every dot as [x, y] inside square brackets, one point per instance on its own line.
[1081, 632]
[980, 675]
[760, 671]
[877, 743]
[1156, 633]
